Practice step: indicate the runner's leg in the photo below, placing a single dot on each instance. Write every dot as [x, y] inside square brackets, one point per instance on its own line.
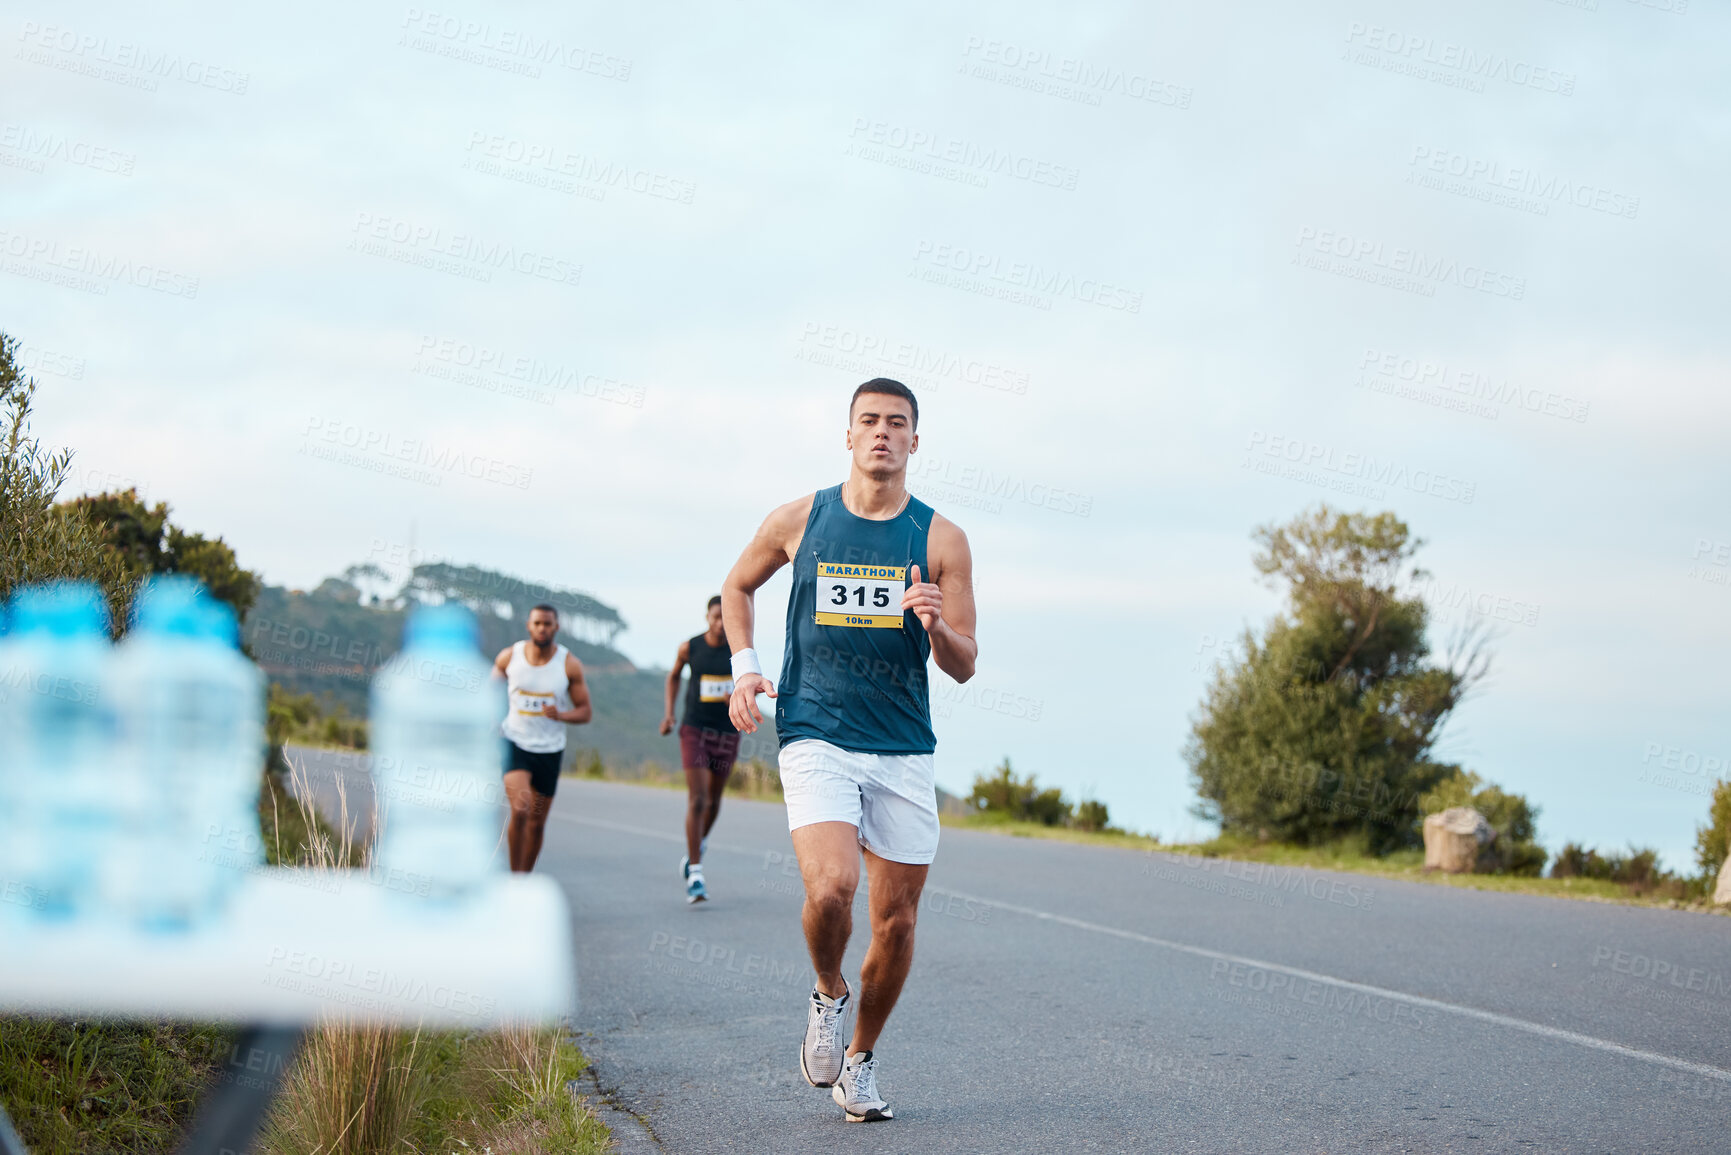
[720, 763]
[828, 855]
[521, 798]
[717, 787]
[539, 806]
[895, 904]
[698, 815]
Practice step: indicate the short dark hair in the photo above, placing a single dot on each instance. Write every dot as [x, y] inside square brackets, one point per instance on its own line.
[554, 610]
[889, 387]
[713, 602]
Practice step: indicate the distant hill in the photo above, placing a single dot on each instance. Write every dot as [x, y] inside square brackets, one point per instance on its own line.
[328, 641]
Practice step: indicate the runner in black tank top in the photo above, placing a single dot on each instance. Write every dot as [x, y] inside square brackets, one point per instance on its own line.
[708, 742]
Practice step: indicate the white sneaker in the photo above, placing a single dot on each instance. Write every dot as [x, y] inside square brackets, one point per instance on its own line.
[856, 1092]
[823, 1051]
[695, 891]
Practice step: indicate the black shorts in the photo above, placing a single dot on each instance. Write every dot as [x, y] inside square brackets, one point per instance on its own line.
[543, 768]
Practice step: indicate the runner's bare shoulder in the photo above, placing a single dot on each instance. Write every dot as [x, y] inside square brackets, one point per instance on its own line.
[785, 525]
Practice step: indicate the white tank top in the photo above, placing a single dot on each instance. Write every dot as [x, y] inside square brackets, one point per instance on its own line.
[530, 688]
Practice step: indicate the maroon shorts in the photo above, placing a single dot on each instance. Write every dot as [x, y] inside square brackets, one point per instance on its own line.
[701, 748]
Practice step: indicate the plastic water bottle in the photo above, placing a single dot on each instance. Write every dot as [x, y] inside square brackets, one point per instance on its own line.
[13, 896]
[435, 720]
[60, 748]
[192, 717]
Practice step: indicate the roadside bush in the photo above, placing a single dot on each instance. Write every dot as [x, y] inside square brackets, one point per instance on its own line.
[300, 718]
[1019, 799]
[1090, 815]
[1639, 870]
[1513, 818]
[1713, 841]
[40, 541]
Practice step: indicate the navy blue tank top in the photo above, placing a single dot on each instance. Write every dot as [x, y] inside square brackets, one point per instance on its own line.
[854, 670]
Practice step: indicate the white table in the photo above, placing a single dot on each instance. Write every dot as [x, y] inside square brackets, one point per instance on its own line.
[299, 947]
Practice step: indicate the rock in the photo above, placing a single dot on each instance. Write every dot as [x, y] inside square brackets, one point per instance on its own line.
[1455, 840]
[1722, 892]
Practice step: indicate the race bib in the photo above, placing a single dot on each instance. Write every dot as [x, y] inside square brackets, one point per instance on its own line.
[714, 688]
[860, 595]
[530, 701]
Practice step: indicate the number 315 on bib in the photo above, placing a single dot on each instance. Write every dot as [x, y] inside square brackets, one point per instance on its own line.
[869, 596]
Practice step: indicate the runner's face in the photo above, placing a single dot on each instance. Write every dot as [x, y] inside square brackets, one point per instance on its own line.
[882, 434]
[542, 627]
[714, 619]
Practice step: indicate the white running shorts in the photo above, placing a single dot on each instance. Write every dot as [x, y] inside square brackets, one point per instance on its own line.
[891, 799]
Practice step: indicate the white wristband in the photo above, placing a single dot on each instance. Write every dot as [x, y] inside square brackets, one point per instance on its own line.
[745, 662]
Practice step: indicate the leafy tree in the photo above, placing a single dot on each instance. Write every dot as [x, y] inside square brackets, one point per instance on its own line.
[40, 541]
[1323, 726]
[1713, 841]
[145, 543]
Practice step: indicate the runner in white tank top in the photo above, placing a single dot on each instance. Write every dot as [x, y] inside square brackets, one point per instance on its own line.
[546, 693]
[532, 688]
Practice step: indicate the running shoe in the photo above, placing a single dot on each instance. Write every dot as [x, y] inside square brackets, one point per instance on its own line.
[856, 1092]
[685, 859]
[822, 1053]
[694, 888]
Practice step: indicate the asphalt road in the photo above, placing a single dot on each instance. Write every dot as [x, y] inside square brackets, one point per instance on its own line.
[1073, 998]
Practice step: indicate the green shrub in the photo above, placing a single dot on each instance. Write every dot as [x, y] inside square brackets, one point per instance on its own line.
[1638, 869]
[300, 718]
[40, 541]
[1513, 818]
[1004, 793]
[1090, 815]
[1713, 841]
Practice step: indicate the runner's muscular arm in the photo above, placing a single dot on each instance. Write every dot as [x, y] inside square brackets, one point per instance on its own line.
[581, 710]
[769, 549]
[945, 605]
[682, 656]
[500, 662]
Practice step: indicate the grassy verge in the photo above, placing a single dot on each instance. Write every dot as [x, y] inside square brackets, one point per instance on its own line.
[1406, 865]
[74, 1087]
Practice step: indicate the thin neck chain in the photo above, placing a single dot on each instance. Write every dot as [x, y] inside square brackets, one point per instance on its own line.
[907, 495]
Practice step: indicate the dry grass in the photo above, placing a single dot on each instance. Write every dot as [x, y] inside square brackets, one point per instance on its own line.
[372, 1090]
[369, 1091]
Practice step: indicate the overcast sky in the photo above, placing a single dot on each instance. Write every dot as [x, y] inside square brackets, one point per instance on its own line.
[579, 292]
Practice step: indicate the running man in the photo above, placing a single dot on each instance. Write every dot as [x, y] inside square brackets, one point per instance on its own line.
[880, 582]
[708, 741]
[547, 693]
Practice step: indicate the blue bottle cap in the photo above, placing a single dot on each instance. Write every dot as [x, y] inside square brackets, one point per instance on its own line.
[168, 604]
[179, 605]
[451, 626]
[60, 609]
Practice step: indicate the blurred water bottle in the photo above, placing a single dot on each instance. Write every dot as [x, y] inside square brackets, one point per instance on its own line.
[60, 749]
[191, 714]
[436, 754]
